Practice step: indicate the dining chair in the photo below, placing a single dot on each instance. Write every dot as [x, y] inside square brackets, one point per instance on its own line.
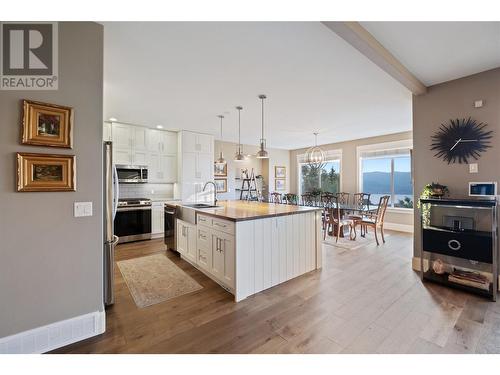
[290, 198]
[376, 219]
[332, 218]
[360, 203]
[327, 199]
[343, 198]
[307, 199]
[275, 198]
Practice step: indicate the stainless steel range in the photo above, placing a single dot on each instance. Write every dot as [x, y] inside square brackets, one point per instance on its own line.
[133, 219]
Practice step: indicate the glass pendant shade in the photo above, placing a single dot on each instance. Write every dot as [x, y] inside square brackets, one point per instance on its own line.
[239, 154]
[220, 159]
[262, 153]
[315, 156]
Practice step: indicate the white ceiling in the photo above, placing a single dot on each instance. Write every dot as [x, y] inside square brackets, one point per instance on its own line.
[182, 75]
[436, 52]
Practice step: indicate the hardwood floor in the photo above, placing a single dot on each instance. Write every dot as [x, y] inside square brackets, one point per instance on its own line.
[366, 300]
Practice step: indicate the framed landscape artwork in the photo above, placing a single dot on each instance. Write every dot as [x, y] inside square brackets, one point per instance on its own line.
[279, 184]
[279, 172]
[220, 169]
[47, 125]
[45, 172]
[221, 184]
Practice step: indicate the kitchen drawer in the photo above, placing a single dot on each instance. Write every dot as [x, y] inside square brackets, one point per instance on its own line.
[204, 259]
[204, 220]
[461, 245]
[204, 238]
[223, 225]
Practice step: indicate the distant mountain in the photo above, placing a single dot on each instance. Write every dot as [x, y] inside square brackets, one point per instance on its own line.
[380, 182]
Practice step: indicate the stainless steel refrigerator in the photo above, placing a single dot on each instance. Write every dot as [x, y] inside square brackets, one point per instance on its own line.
[111, 195]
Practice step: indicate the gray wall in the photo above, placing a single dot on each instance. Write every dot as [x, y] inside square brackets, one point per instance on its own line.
[454, 99]
[51, 262]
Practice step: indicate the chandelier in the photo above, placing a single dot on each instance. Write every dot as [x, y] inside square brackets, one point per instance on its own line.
[315, 156]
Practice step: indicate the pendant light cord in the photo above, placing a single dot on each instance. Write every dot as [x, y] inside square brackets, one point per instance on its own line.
[239, 130]
[262, 117]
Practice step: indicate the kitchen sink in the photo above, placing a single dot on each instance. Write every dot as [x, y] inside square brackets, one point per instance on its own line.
[201, 205]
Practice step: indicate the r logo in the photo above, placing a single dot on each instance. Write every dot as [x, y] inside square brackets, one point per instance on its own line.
[27, 49]
[29, 56]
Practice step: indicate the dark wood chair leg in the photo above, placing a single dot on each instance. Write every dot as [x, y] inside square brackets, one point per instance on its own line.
[382, 232]
[376, 238]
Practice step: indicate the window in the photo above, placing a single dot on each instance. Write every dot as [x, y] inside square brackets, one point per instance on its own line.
[387, 172]
[326, 179]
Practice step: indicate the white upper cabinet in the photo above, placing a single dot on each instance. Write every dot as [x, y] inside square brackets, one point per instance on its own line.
[163, 142]
[139, 138]
[106, 132]
[196, 164]
[142, 146]
[197, 142]
[122, 136]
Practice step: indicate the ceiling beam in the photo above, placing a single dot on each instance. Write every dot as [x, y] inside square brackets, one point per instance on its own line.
[357, 36]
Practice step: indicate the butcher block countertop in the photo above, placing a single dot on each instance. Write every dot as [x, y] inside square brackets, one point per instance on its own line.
[244, 210]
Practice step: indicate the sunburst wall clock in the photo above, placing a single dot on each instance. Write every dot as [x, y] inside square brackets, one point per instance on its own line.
[460, 140]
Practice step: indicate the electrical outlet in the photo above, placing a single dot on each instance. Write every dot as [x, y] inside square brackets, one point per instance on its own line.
[473, 168]
[82, 209]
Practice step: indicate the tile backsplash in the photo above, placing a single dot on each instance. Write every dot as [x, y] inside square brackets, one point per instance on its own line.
[152, 191]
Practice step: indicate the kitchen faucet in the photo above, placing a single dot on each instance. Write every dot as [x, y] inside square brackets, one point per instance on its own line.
[215, 190]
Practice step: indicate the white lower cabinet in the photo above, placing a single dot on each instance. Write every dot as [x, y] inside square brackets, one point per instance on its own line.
[186, 240]
[157, 218]
[222, 255]
[216, 249]
[204, 245]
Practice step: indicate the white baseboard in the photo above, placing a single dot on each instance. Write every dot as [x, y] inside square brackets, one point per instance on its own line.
[55, 335]
[399, 227]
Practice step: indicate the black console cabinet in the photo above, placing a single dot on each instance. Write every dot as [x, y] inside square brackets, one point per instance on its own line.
[460, 235]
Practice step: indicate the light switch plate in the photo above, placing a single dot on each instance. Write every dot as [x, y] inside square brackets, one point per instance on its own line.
[82, 209]
[473, 168]
[478, 104]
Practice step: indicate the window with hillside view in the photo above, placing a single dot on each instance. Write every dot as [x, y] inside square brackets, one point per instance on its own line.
[325, 179]
[388, 175]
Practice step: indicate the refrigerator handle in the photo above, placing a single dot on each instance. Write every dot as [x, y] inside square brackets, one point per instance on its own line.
[116, 191]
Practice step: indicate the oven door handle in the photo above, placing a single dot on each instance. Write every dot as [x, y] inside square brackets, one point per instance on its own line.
[170, 212]
[128, 209]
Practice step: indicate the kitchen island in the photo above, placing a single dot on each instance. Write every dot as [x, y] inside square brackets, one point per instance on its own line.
[247, 247]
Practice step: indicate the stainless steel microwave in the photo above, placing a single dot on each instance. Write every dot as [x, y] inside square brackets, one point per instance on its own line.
[132, 174]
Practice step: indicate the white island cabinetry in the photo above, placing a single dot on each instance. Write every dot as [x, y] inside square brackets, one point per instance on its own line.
[253, 254]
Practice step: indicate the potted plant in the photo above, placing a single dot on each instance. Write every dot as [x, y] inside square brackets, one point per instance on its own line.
[434, 190]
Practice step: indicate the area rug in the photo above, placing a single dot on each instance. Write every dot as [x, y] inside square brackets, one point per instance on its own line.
[155, 278]
[347, 244]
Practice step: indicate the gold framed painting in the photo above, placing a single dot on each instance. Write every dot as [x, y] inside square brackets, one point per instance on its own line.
[220, 169]
[279, 172]
[45, 172]
[279, 184]
[47, 125]
[221, 184]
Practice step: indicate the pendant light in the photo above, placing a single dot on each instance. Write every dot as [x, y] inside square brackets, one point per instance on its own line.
[239, 154]
[221, 159]
[315, 156]
[262, 153]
